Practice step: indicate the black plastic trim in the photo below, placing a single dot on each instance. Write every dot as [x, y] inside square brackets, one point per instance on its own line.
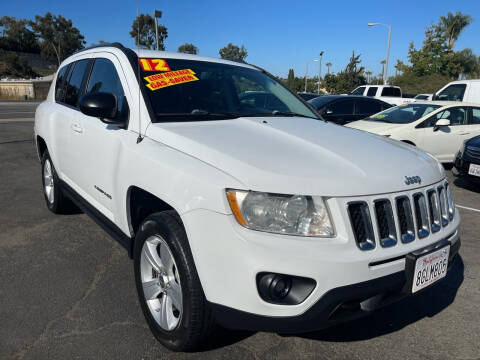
[113, 230]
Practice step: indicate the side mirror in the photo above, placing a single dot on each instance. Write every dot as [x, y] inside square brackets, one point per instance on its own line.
[440, 123]
[101, 105]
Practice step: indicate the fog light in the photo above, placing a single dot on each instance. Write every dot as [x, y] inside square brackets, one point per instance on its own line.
[284, 289]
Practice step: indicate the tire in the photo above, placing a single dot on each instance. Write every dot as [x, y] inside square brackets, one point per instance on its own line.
[181, 323]
[56, 201]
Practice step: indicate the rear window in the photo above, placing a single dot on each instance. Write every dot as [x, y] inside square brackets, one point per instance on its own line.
[368, 107]
[391, 91]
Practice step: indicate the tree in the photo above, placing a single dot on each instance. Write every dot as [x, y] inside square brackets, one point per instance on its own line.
[58, 36]
[329, 65]
[368, 73]
[14, 65]
[348, 79]
[291, 79]
[233, 52]
[143, 31]
[188, 49]
[17, 36]
[452, 26]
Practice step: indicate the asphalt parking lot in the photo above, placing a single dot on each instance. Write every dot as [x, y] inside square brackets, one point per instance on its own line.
[67, 289]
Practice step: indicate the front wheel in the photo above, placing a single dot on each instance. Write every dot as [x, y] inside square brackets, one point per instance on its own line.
[168, 286]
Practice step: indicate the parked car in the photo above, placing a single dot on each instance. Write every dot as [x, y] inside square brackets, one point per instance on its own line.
[423, 97]
[233, 212]
[390, 94]
[467, 162]
[462, 90]
[343, 109]
[439, 128]
[308, 96]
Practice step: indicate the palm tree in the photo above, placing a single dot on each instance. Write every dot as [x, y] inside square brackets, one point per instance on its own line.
[329, 64]
[452, 25]
[368, 73]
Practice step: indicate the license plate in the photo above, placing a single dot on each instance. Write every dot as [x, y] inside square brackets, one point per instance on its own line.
[430, 268]
[474, 170]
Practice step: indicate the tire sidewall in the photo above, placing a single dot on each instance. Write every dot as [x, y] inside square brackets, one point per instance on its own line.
[153, 225]
[52, 206]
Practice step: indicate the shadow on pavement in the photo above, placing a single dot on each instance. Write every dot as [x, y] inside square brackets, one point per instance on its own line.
[399, 315]
[222, 337]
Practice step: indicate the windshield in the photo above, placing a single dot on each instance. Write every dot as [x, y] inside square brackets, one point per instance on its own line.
[404, 114]
[358, 91]
[189, 90]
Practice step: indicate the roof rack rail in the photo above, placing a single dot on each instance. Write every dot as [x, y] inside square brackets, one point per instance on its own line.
[114, 44]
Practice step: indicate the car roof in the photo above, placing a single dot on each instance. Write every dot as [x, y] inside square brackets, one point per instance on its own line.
[445, 103]
[334, 97]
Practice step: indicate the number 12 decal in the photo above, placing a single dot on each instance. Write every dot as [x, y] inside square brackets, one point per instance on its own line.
[153, 64]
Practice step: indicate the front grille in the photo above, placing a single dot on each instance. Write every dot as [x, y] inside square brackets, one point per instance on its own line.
[359, 214]
[405, 217]
[385, 222]
[473, 151]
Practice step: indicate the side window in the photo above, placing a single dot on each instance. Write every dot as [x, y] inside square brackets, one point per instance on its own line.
[104, 78]
[453, 92]
[372, 91]
[456, 115]
[74, 84]
[59, 88]
[391, 91]
[343, 107]
[475, 120]
[358, 91]
[368, 107]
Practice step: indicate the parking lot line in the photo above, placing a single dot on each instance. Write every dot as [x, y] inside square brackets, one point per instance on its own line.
[467, 208]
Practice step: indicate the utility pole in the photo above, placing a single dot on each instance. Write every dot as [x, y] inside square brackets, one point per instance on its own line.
[156, 14]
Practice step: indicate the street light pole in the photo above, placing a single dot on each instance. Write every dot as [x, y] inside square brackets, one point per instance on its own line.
[319, 71]
[156, 15]
[306, 75]
[385, 69]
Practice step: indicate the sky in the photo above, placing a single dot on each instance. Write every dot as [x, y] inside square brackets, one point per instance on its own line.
[278, 34]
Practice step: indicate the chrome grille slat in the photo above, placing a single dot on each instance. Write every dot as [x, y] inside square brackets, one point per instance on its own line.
[443, 205]
[421, 215]
[361, 221]
[385, 222]
[405, 219]
[433, 210]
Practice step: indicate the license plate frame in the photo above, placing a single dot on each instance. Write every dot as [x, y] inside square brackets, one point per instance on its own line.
[474, 170]
[411, 269]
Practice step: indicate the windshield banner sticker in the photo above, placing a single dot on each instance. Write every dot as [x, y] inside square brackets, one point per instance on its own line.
[161, 80]
[153, 64]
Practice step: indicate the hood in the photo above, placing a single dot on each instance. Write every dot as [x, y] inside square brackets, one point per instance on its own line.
[376, 127]
[300, 156]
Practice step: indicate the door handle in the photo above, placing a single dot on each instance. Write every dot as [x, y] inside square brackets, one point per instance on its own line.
[77, 128]
[465, 133]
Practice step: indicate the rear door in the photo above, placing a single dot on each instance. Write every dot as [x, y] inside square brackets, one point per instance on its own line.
[366, 107]
[340, 111]
[445, 141]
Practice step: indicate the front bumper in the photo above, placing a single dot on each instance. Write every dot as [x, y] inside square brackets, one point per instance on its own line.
[338, 305]
[461, 166]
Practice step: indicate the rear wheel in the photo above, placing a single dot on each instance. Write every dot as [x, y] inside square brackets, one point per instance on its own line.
[168, 286]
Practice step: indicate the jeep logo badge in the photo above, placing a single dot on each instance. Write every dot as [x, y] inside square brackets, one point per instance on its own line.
[409, 180]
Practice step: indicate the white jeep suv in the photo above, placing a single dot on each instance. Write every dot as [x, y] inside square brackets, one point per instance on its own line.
[251, 215]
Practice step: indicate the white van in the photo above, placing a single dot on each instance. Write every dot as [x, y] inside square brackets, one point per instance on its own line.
[462, 90]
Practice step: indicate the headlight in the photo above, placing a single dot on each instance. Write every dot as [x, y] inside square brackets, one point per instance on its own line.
[283, 214]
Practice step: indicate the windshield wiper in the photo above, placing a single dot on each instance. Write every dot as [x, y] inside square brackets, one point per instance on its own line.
[278, 113]
[199, 114]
